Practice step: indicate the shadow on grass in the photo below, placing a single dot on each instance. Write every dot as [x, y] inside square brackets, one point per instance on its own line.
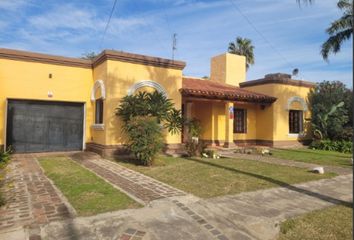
[277, 182]
[315, 152]
[133, 161]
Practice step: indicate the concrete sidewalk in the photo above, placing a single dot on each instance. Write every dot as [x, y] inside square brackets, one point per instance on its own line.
[251, 215]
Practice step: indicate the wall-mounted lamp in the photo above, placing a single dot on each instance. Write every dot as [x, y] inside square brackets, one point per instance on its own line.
[50, 75]
[50, 94]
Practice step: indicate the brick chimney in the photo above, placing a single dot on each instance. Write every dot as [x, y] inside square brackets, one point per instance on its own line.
[228, 68]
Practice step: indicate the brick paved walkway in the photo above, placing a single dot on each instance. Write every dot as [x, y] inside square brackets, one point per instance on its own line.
[30, 196]
[273, 160]
[138, 186]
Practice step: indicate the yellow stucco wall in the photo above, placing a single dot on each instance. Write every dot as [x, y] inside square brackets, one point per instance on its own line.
[213, 117]
[218, 121]
[203, 112]
[98, 135]
[123, 75]
[277, 115]
[228, 68]
[270, 123]
[251, 122]
[29, 80]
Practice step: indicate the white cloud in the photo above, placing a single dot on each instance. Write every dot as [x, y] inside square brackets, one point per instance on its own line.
[65, 16]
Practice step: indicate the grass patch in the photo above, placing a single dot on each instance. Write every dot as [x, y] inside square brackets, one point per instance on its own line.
[314, 156]
[4, 160]
[215, 177]
[2, 176]
[332, 223]
[87, 193]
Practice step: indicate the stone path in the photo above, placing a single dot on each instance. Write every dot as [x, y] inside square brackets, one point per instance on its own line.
[31, 197]
[140, 187]
[252, 215]
[273, 160]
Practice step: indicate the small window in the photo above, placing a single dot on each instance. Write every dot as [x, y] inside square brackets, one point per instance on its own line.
[240, 120]
[295, 121]
[99, 111]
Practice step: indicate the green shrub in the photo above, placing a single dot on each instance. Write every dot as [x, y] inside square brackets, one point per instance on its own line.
[145, 138]
[193, 145]
[4, 157]
[152, 104]
[331, 106]
[339, 146]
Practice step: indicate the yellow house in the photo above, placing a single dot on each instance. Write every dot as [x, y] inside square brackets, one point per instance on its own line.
[52, 103]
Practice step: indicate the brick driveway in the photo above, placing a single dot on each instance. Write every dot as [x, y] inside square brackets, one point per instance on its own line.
[30, 196]
[138, 186]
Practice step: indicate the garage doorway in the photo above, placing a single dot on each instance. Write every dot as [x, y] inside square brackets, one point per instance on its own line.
[44, 126]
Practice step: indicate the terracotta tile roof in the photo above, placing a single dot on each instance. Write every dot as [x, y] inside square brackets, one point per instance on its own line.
[193, 87]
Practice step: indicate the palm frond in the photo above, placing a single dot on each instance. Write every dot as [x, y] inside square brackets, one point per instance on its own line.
[304, 2]
[344, 4]
[341, 24]
[333, 43]
[244, 47]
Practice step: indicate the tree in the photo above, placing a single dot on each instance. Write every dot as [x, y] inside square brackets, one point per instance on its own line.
[244, 47]
[145, 115]
[152, 104]
[145, 138]
[330, 104]
[89, 55]
[340, 30]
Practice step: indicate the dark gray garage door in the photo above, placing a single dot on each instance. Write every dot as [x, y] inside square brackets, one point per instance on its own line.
[42, 126]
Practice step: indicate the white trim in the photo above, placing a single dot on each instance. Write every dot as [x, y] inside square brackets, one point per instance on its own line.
[299, 100]
[5, 122]
[147, 83]
[302, 134]
[84, 129]
[97, 126]
[98, 84]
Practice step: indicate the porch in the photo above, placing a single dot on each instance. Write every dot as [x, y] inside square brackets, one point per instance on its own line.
[228, 115]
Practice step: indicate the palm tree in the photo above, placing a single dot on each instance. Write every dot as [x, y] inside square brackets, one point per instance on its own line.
[244, 47]
[339, 30]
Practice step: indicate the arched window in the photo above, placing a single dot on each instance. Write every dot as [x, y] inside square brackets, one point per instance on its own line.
[98, 95]
[296, 107]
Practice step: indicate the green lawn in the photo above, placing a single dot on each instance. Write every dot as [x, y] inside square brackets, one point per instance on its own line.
[314, 156]
[332, 223]
[86, 192]
[214, 177]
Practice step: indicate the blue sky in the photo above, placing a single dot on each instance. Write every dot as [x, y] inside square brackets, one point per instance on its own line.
[204, 28]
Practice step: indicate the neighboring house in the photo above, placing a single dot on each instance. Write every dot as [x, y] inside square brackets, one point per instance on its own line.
[52, 103]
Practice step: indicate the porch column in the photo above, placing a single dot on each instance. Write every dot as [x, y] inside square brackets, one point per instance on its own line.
[229, 124]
